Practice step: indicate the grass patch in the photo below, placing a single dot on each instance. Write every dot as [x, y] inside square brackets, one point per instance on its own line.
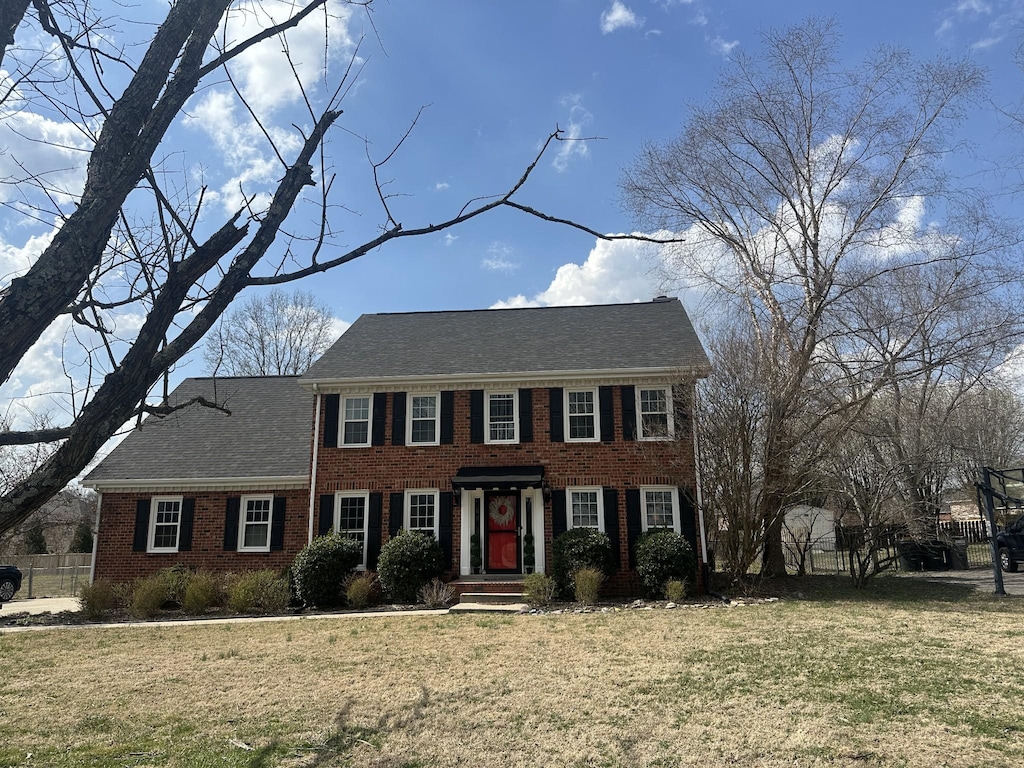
[875, 677]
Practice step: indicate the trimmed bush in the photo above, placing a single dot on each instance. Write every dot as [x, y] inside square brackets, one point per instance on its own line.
[437, 594]
[586, 584]
[538, 590]
[362, 590]
[675, 590]
[97, 599]
[320, 570]
[149, 595]
[663, 556]
[263, 591]
[579, 548]
[406, 563]
[204, 591]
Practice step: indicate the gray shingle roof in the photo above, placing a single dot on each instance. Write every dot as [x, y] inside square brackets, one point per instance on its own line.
[267, 434]
[656, 334]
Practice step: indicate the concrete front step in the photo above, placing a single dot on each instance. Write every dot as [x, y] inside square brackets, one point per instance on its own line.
[492, 598]
[487, 608]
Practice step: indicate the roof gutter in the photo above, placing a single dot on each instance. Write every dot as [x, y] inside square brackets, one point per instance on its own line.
[199, 483]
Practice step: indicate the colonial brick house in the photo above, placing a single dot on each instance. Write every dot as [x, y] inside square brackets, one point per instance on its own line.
[493, 430]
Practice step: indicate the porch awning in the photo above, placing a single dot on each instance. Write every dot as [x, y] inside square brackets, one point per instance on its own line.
[502, 478]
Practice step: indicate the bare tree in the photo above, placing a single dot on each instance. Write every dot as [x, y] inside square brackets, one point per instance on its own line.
[139, 240]
[273, 334]
[800, 186]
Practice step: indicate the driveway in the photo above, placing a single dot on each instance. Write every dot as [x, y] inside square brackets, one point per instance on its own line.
[979, 578]
[40, 605]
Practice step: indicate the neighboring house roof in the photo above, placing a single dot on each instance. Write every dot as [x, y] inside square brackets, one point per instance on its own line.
[654, 335]
[267, 435]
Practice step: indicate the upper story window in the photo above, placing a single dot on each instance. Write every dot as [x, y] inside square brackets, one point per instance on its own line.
[581, 415]
[586, 508]
[164, 524]
[660, 507]
[502, 414]
[421, 511]
[424, 420]
[654, 413]
[355, 421]
[254, 525]
[351, 517]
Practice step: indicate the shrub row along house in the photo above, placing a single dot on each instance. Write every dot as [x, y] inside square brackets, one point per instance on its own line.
[493, 430]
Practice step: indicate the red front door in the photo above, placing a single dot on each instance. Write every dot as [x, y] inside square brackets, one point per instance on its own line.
[501, 512]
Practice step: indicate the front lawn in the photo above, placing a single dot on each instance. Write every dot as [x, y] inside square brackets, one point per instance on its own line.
[902, 676]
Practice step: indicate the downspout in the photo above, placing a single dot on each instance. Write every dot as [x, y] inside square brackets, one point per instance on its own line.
[95, 539]
[316, 453]
[705, 569]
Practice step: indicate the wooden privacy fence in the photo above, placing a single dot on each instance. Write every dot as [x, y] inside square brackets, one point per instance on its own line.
[52, 575]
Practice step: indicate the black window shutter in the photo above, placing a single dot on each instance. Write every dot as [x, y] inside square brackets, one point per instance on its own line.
[557, 421]
[681, 412]
[611, 524]
[444, 526]
[558, 520]
[277, 524]
[606, 409]
[332, 409]
[398, 418]
[231, 514]
[141, 525]
[396, 513]
[447, 418]
[629, 413]
[373, 528]
[476, 416]
[525, 415]
[326, 522]
[380, 404]
[188, 513]
[633, 528]
[688, 517]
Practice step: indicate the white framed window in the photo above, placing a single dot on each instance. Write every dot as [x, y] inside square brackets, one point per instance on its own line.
[584, 508]
[581, 416]
[654, 413]
[421, 510]
[355, 421]
[254, 523]
[423, 422]
[501, 411]
[659, 507]
[164, 523]
[351, 515]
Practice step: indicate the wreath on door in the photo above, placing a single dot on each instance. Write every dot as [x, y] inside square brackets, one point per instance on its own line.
[500, 511]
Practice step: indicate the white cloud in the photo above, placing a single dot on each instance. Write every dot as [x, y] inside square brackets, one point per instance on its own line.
[573, 144]
[721, 46]
[339, 326]
[618, 16]
[615, 271]
[449, 238]
[441, 186]
[973, 6]
[498, 264]
[16, 260]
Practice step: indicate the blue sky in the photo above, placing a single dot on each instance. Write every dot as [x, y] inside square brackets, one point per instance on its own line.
[498, 77]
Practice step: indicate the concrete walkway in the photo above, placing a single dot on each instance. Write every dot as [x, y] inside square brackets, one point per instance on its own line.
[40, 605]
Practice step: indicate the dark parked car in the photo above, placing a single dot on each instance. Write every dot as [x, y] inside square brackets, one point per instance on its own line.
[1010, 541]
[10, 582]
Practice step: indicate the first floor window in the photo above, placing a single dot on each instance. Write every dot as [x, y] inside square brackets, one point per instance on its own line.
[351, 518]
[585, 508]
[423, 418]
[254, 527]
[581, 414]
[355, 423]
[501, 417]
[660, 508]
[421, 511]
[654, 413]
[165, 523]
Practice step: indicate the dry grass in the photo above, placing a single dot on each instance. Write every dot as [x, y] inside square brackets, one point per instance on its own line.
[921, 682]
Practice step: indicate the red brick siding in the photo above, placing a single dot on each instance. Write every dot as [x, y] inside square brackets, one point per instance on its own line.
[116, 561]
[619, 464]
